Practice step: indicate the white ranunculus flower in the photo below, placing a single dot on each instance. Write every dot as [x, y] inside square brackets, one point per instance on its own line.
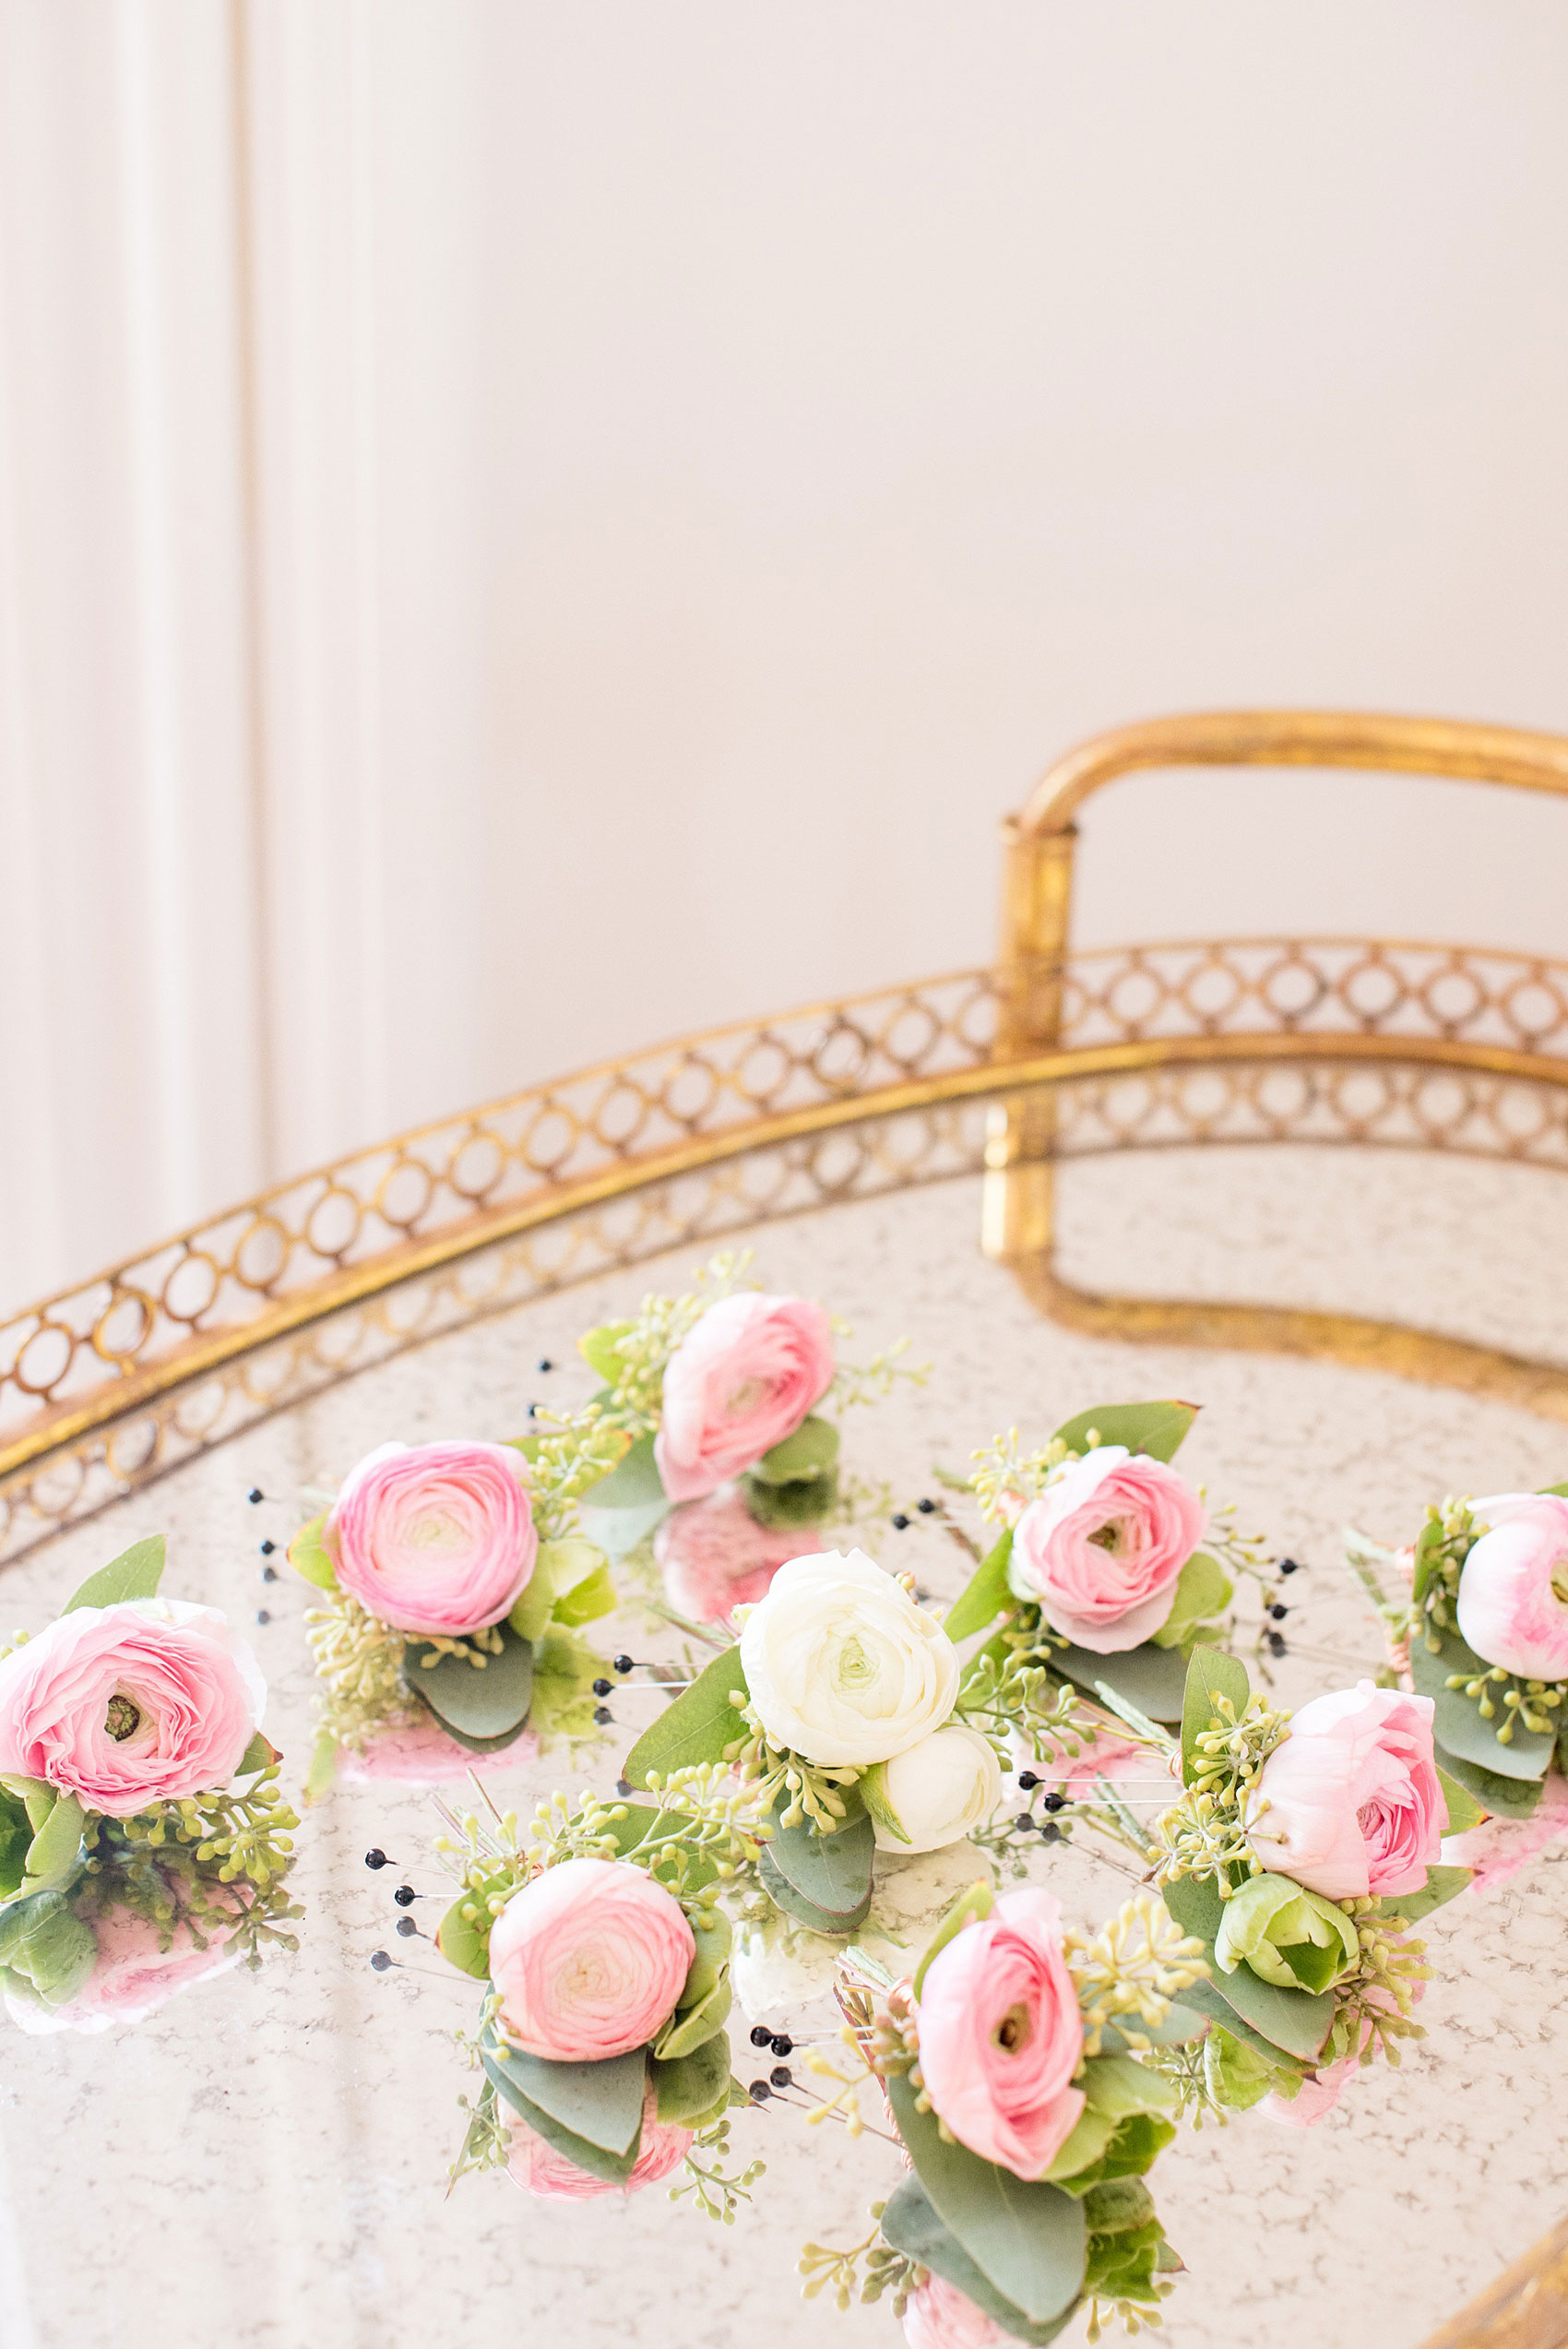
[936, 1792]
[842, 1665]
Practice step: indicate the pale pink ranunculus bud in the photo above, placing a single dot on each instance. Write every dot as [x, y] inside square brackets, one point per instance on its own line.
[1102, 1547]
[745, 1379]
[540, 2169]
[938, 2316]
[435, 1538]
[142, 1702]
[1350, 1805]
[1513, 1602]
[717, 1557]
[589, 1959]
[1001, 2035]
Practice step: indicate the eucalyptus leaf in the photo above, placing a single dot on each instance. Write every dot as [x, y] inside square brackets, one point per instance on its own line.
[600, 1349]
[15, 1834]
[600, 2102]
[134, 1574]
[535, 1602]
[1158, 1428]
[1135, 2146]
[631, 1824]
[691, 2029]
[310, 1557]
[1153, 1679]
[784, 1896]
[1205, 1999]
[1204, 1590]
[689, 2088]
[806, 1456]
[483, 1706]
[1091, 2133]
[613, 2168]
[1116, 2206]
[586, 1600]
[1297, 2020]
[1210, 1675]
[1120, 2085]
[1500, 1797]
[804, 1502]
[1555, 1492]
[1181, 2024]
[1443, 1885]
[714, 1936]
[1457, 1723]
[463, 1941]
[260, 1754]
[45, 1941]
[1028, 2239]
[632, 1483]
[54, 1855]
[985, 1595]
[833, 1873]
[1464, 1811]
[910, 2223]
[696, 1727]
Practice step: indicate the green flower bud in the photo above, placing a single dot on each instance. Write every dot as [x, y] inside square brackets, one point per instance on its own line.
[1286, 1935]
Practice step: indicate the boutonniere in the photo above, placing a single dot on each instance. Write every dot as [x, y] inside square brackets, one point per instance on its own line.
[143, 1839]
[729, 1400]
[1484, 1636]
[455, 1584]
[1013, 2067]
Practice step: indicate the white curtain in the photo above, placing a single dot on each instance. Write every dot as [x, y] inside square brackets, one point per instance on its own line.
[525, 528]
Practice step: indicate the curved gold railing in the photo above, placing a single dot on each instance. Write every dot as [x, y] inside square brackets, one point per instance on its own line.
[1043, 999]
[107, 1384]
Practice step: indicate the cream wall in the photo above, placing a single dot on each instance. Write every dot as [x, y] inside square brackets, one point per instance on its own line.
[526, 528]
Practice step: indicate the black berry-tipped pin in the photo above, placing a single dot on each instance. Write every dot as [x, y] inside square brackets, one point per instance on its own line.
[268, 1548]
[761, 2036]
[1277, 1643]
[1280, 1613]
[380, 1960]
[270, 1574]
[623, 1663]
[376, 1857]
[782, 2044]
[1027, 1780]
[901, 1522]
[1025, 1822]
[1290, 1566]
[782, 2076]
[759, 2091]
[926, 1507]
[603, 1717]
[405, 1896]
[623, 1786]
[545, 1363]
[603, 1687]
[408, 1929]
[255, 1494]
[1055, 1802]
[1051, 1833]
[264, 1615]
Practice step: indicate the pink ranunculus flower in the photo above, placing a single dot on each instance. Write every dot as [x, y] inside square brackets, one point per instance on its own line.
[436, 1538]
[1513, 1604]
[717, 1557]
[540, 2169]
[420, 1753]
[1001, 2035]
[744, 1379]
[1103, 1545]
[142, 1702]
[1350, 1804]
[589, 1960]
[941, 2317]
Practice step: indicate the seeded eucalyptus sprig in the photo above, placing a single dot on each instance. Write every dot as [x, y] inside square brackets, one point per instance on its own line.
[715, 2192]
[213, 1863]
[778, 1774]
[885, 2269]
[1130, 1972]
[1206, 1832]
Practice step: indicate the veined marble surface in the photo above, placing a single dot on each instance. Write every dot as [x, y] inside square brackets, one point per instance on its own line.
[263, 2162]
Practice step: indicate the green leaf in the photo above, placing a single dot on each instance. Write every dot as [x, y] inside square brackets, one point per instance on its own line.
[463, 1941]
[587, 1600]
[600, 1349]
[54, 1855]
[639, 1820]
[615, 2169]
[696, 1727]
[483, 1706]
[910, 2223]
[685, 2032]
[978, 1901]
[832, 1874]
[1504, 1797]
[1153, 1679]
[601, 2102]
[1156, 1428]
[1443, 1885]
[1464, 1811]
[310, 1557]
[1183, 2023]
[1117, 2206]
[535, 1601]
[1030, 2240]
[1120, 2085]
[15, 1834]
[1297, 2020]
[1092, 2132]
[134, 1574]
[1205, 2001]
[1556, 1492]
[714, 1937]
[689, 2088]
[632, 1483]
[985, 1595]
[45, 1942]
[1457, 1724]
[1210, 1675]
[1429, 1546]
[807, 1457]
[260, 1754]
[783, 1895]
[804, 1503]
[1204, 1590]
[1136, 2145]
